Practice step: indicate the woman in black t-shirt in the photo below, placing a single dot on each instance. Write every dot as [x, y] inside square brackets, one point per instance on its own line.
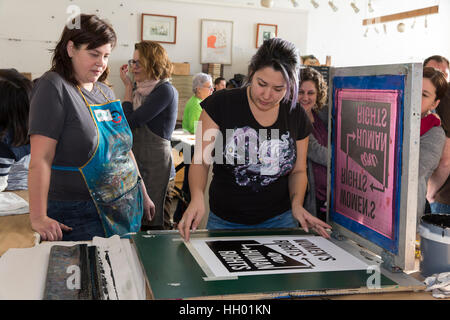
[260, 137]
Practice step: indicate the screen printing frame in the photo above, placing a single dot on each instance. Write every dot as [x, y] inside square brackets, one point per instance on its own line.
[400, 253]
[172, 272]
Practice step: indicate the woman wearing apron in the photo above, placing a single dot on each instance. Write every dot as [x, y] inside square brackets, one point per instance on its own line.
[83, 178]
[151, 111]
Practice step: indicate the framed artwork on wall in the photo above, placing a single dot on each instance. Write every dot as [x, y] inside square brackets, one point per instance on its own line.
[265, 32]
[159, 28]
[216, 41]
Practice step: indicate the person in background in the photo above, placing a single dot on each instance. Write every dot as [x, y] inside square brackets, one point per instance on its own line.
[15, 92]
[310, 60]
[236, 82]
[151, 111]
[202, 88]
[438, 191]
[432, 136]
[219, 84]
[312, 96]
[83, 179]
[261, 142]
[440, 63]
[230, 85]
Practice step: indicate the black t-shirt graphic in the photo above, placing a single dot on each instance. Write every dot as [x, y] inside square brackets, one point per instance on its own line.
[250, 182]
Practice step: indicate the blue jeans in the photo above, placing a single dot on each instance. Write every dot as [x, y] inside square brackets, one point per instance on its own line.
[284, 220]
[437, 207]
[81, 216]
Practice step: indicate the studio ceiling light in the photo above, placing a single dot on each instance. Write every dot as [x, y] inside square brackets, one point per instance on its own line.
[267, 3]
[315, 4]
[294, 3]
[369, 5]
[332, 6]
[354, 7]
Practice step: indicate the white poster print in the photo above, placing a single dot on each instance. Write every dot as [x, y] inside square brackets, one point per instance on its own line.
[240, 256]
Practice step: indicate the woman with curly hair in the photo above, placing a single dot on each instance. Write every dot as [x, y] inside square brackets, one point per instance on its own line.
[150, 105]
[312, 96]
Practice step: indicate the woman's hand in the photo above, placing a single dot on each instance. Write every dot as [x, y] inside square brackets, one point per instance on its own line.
[149, 207]
[191, 218]
[307, 221]
[123, 75]
[48, 228]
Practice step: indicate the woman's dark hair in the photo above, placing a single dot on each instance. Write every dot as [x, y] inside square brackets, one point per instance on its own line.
[310, 74]
[438, 80]
[282, 56]
[92, 31]
[15, 92]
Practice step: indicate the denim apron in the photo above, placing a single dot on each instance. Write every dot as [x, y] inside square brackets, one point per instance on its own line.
[110, 174]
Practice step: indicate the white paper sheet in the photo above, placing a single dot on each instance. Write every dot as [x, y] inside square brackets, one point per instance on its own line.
[239, 256]
[11, 203]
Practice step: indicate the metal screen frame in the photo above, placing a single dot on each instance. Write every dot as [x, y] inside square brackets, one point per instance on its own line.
[404, 258]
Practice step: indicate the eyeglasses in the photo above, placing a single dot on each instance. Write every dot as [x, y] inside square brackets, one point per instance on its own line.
[135, 62]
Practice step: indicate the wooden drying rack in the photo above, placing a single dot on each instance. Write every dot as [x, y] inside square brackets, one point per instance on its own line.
[402, 15]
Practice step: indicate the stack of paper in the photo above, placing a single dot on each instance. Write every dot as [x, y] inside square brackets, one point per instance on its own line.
[11, 203]
[214, 70]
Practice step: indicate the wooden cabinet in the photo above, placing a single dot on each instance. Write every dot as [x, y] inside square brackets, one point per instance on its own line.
[183, 84]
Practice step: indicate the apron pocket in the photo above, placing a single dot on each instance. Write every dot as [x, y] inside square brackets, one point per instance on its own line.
[123, 214]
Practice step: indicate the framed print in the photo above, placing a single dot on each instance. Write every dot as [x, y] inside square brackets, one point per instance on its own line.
[159, 28]
[265, 32]
[216, 41]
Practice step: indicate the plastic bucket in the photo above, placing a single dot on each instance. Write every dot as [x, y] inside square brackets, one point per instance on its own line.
[434, 230]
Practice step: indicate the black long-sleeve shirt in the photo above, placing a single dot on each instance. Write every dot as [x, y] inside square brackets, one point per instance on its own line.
[158, 111]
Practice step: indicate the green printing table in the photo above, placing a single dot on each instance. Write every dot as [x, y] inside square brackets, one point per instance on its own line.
[173, 272]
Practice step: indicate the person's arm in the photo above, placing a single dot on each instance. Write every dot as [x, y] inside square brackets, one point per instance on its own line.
[298, 181]
[441, 174]
[149, 206]
[42, 154]
[316, 152]
[198, 175]
[159, 99]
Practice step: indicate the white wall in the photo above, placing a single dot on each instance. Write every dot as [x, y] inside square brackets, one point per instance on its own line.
[341, 34]
[35, 22]
[38, 24]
